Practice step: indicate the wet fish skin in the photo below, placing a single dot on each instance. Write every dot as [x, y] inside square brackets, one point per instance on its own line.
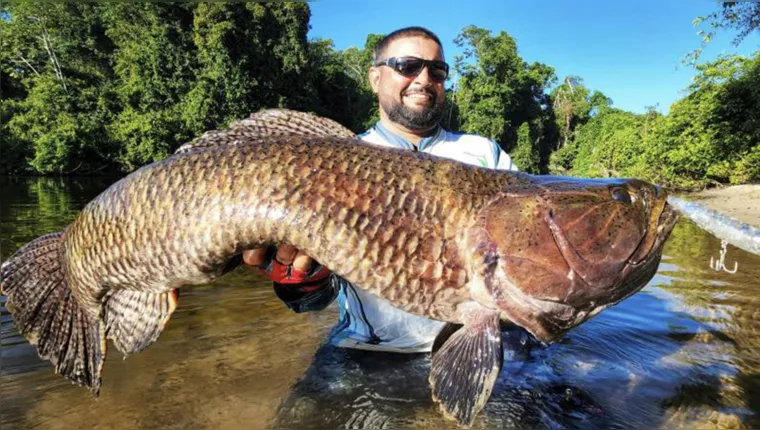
[435, 237]
[590, 252]
[178, 222]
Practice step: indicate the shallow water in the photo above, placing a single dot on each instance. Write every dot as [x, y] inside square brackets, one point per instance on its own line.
[682, 353]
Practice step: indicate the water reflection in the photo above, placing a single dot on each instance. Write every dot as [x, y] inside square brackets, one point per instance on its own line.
[681, 353]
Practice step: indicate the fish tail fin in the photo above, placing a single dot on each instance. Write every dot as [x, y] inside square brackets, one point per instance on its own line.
[135, 319]
[49, 316]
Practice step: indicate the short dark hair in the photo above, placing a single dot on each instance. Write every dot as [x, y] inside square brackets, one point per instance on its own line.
[402, 33]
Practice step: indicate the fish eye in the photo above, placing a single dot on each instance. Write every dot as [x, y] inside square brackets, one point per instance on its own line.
[620, 195]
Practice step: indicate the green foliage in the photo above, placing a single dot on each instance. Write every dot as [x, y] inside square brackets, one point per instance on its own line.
[108, 87]
[123, 84]
[608, 145]
[571, 107]
[497, 90]
[341, 84]
[65, 129]
[561, 160]
[525, 154]
[153, 64]
[743, 17]
[747, 167]
[251, 56]
[59, 122]
[710, 135]
[13, 148]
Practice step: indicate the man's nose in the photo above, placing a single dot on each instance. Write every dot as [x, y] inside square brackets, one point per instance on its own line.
[423, 77]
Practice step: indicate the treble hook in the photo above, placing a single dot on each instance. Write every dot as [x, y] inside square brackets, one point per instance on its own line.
[720, 263]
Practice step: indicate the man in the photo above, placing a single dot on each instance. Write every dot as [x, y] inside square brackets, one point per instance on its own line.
[408, 77]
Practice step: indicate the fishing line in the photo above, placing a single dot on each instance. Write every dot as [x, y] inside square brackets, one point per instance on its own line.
[724, 227]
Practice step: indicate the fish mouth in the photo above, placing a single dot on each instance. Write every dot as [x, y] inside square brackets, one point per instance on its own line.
[665, 221]
[662, 219]
[636, 274]
[548, 319]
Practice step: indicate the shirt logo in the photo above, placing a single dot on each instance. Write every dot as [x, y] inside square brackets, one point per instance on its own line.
[481, 159]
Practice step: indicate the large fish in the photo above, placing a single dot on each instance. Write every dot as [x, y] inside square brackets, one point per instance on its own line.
[449, 241]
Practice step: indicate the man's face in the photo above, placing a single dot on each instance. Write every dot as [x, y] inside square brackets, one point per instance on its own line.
[416, 102]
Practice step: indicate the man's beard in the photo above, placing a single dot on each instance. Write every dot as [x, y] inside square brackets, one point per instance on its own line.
[413, 119]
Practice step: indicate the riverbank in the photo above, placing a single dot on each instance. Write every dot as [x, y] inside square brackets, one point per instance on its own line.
[739, 201]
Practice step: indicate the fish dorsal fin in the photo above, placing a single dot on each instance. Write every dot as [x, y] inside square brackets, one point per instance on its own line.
[269, 123]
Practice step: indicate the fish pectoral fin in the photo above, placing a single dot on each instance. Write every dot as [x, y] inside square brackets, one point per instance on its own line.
[465, 367]
[269, 123]
[446, 332]
[135, 319]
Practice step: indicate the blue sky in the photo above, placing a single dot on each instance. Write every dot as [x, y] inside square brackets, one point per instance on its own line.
[629, 50]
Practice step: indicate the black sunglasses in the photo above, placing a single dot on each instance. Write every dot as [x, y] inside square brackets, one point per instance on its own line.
[412, 66]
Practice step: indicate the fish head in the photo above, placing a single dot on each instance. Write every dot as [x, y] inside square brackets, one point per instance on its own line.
[556, 251]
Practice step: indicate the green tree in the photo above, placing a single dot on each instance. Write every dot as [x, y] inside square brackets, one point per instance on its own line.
[108, 87]
[740, 16]
[341, 83]
[598, 102]
[13, 150]
[356, 63]
[526, 155]
[711, 135]
[609, 145]
[497, 90]
[251, 56]
[154, 63]
[571, 107]
[57, 52]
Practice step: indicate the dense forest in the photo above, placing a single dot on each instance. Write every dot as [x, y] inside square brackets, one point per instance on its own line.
[103, 88]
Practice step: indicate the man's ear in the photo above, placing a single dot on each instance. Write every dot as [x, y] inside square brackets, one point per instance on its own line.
[374, 78]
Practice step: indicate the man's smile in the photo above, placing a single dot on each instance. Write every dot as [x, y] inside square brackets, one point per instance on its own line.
[419, 97]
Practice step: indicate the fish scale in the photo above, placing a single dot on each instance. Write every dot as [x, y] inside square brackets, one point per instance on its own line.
[281, 205]
[466, 245]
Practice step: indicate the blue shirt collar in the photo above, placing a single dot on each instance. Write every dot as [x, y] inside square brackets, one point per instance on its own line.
[400, 142]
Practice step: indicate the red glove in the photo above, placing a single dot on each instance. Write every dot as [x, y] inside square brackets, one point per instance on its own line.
[300, 290]
[288, 275]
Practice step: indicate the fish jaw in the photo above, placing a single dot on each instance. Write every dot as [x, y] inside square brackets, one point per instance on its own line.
[540, 274]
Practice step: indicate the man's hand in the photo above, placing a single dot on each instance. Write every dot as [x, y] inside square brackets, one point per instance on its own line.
[287, 255]
[299, 281]
[290, 265]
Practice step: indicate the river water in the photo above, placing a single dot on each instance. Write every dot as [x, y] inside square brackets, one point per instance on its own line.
[682, 353]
